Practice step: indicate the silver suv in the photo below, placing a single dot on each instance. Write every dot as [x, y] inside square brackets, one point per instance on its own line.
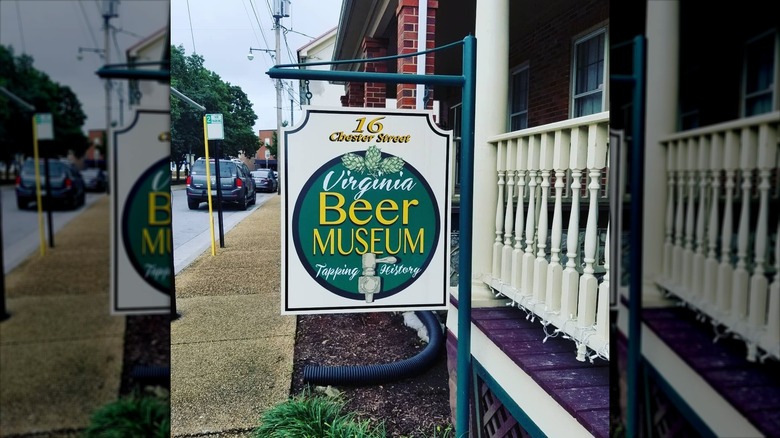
[237, 185]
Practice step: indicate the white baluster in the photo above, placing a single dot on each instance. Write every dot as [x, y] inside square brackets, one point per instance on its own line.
[772, 336]
[725, 270]
[740, 282]
[571, 278]
[602, 314]
[498, 245]
[671, 171]
[555, 270]
[767, 152]
[679, 219]
[711, 264]
[597, 152]
[530, 224]
[546, 151]
[691, 160]
[509, 219]
[702, 171]
[522, 166]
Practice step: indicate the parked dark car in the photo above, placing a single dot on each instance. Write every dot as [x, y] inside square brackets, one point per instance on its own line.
[237, 185]
[265, 180]
[67, 185]
[94, 179]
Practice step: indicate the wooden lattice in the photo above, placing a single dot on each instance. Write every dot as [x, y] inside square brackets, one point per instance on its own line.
[496, 421]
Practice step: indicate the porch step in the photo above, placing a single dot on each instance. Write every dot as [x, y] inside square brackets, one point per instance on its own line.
[752, 388]
[582, 388]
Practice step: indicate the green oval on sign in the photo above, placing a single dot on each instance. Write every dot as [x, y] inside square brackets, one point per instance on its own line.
[146, 227]
[366, 225]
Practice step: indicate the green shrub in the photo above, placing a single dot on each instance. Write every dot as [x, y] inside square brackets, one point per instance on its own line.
[315, 417]
[132, 417]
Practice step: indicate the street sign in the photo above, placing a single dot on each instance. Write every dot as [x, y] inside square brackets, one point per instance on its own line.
[267, 154]
[214, 127]
[366, 212]
[44, 126]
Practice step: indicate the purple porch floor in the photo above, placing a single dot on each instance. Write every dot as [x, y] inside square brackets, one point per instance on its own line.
[582, 388]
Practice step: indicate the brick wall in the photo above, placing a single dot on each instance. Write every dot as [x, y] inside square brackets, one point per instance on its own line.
[407, 14]
[375, 93]
[549, 52]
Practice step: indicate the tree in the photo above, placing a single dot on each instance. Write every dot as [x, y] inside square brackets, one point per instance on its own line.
[190, 76]
[18, 75]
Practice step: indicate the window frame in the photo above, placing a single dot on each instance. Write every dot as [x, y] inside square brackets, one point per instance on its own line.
[525, 66]
[602, 29]
[773, 90]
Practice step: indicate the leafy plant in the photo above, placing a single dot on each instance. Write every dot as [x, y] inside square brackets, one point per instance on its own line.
[307, 416]
[372, 162]
[133, 416]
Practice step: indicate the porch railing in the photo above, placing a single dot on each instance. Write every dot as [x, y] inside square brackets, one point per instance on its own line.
[721, 228]
[557, 273]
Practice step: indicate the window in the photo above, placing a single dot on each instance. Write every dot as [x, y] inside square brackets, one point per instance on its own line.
[760, 79]
[518, 110]
[588, 77]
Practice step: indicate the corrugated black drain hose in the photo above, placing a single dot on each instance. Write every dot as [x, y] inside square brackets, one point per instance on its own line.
[360, 375]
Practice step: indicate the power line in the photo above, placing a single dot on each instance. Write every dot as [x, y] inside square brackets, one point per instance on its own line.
[21, 27]
[300, 33]
[86, 21]
[260, 26]
[251, 25]
[192, 33]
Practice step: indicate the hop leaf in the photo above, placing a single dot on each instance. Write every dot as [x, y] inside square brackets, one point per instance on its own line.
[353, 162]
[373, 158]
[391, 165]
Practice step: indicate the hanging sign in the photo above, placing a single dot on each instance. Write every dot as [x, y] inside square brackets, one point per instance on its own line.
[366, 212]
[142, 261]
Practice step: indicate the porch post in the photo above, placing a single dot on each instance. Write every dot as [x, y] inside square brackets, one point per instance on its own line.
[663, 24]
[492, 32]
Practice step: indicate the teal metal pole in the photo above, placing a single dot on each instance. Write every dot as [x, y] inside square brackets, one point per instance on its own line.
[464, 257]
[635, 242]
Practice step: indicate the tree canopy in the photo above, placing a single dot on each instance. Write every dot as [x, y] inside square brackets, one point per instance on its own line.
[18, 76]
[190, 77]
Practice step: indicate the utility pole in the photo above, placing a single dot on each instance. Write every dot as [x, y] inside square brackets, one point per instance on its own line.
[109, 11]
[278, 13]
[290, 92]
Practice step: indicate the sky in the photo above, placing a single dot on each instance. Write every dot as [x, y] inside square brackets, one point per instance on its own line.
[222, 32]
[52, 31]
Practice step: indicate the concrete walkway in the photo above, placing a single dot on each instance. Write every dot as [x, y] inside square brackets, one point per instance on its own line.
[61, 350]
[231, 350]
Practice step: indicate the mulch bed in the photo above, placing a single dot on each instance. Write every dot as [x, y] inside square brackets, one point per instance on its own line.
[412, 408]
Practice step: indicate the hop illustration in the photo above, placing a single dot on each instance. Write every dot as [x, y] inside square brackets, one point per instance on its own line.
[372, 163]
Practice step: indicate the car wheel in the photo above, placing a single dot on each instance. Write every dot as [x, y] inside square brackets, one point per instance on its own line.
[243, 203]
[254, 197]
[192, 204]
[22, 203]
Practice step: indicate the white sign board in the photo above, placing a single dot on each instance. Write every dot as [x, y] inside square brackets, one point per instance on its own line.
[141, 257]
[44, 126]
[366, 212]
[214, 127]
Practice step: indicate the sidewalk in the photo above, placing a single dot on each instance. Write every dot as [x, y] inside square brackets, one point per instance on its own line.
[231, 350]
[61, 350]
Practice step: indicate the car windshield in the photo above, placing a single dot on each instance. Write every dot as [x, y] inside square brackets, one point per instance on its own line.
[226, 168]
[56, 168]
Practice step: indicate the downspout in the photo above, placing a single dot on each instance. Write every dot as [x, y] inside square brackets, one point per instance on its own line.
[359, 375]
[422, 38]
